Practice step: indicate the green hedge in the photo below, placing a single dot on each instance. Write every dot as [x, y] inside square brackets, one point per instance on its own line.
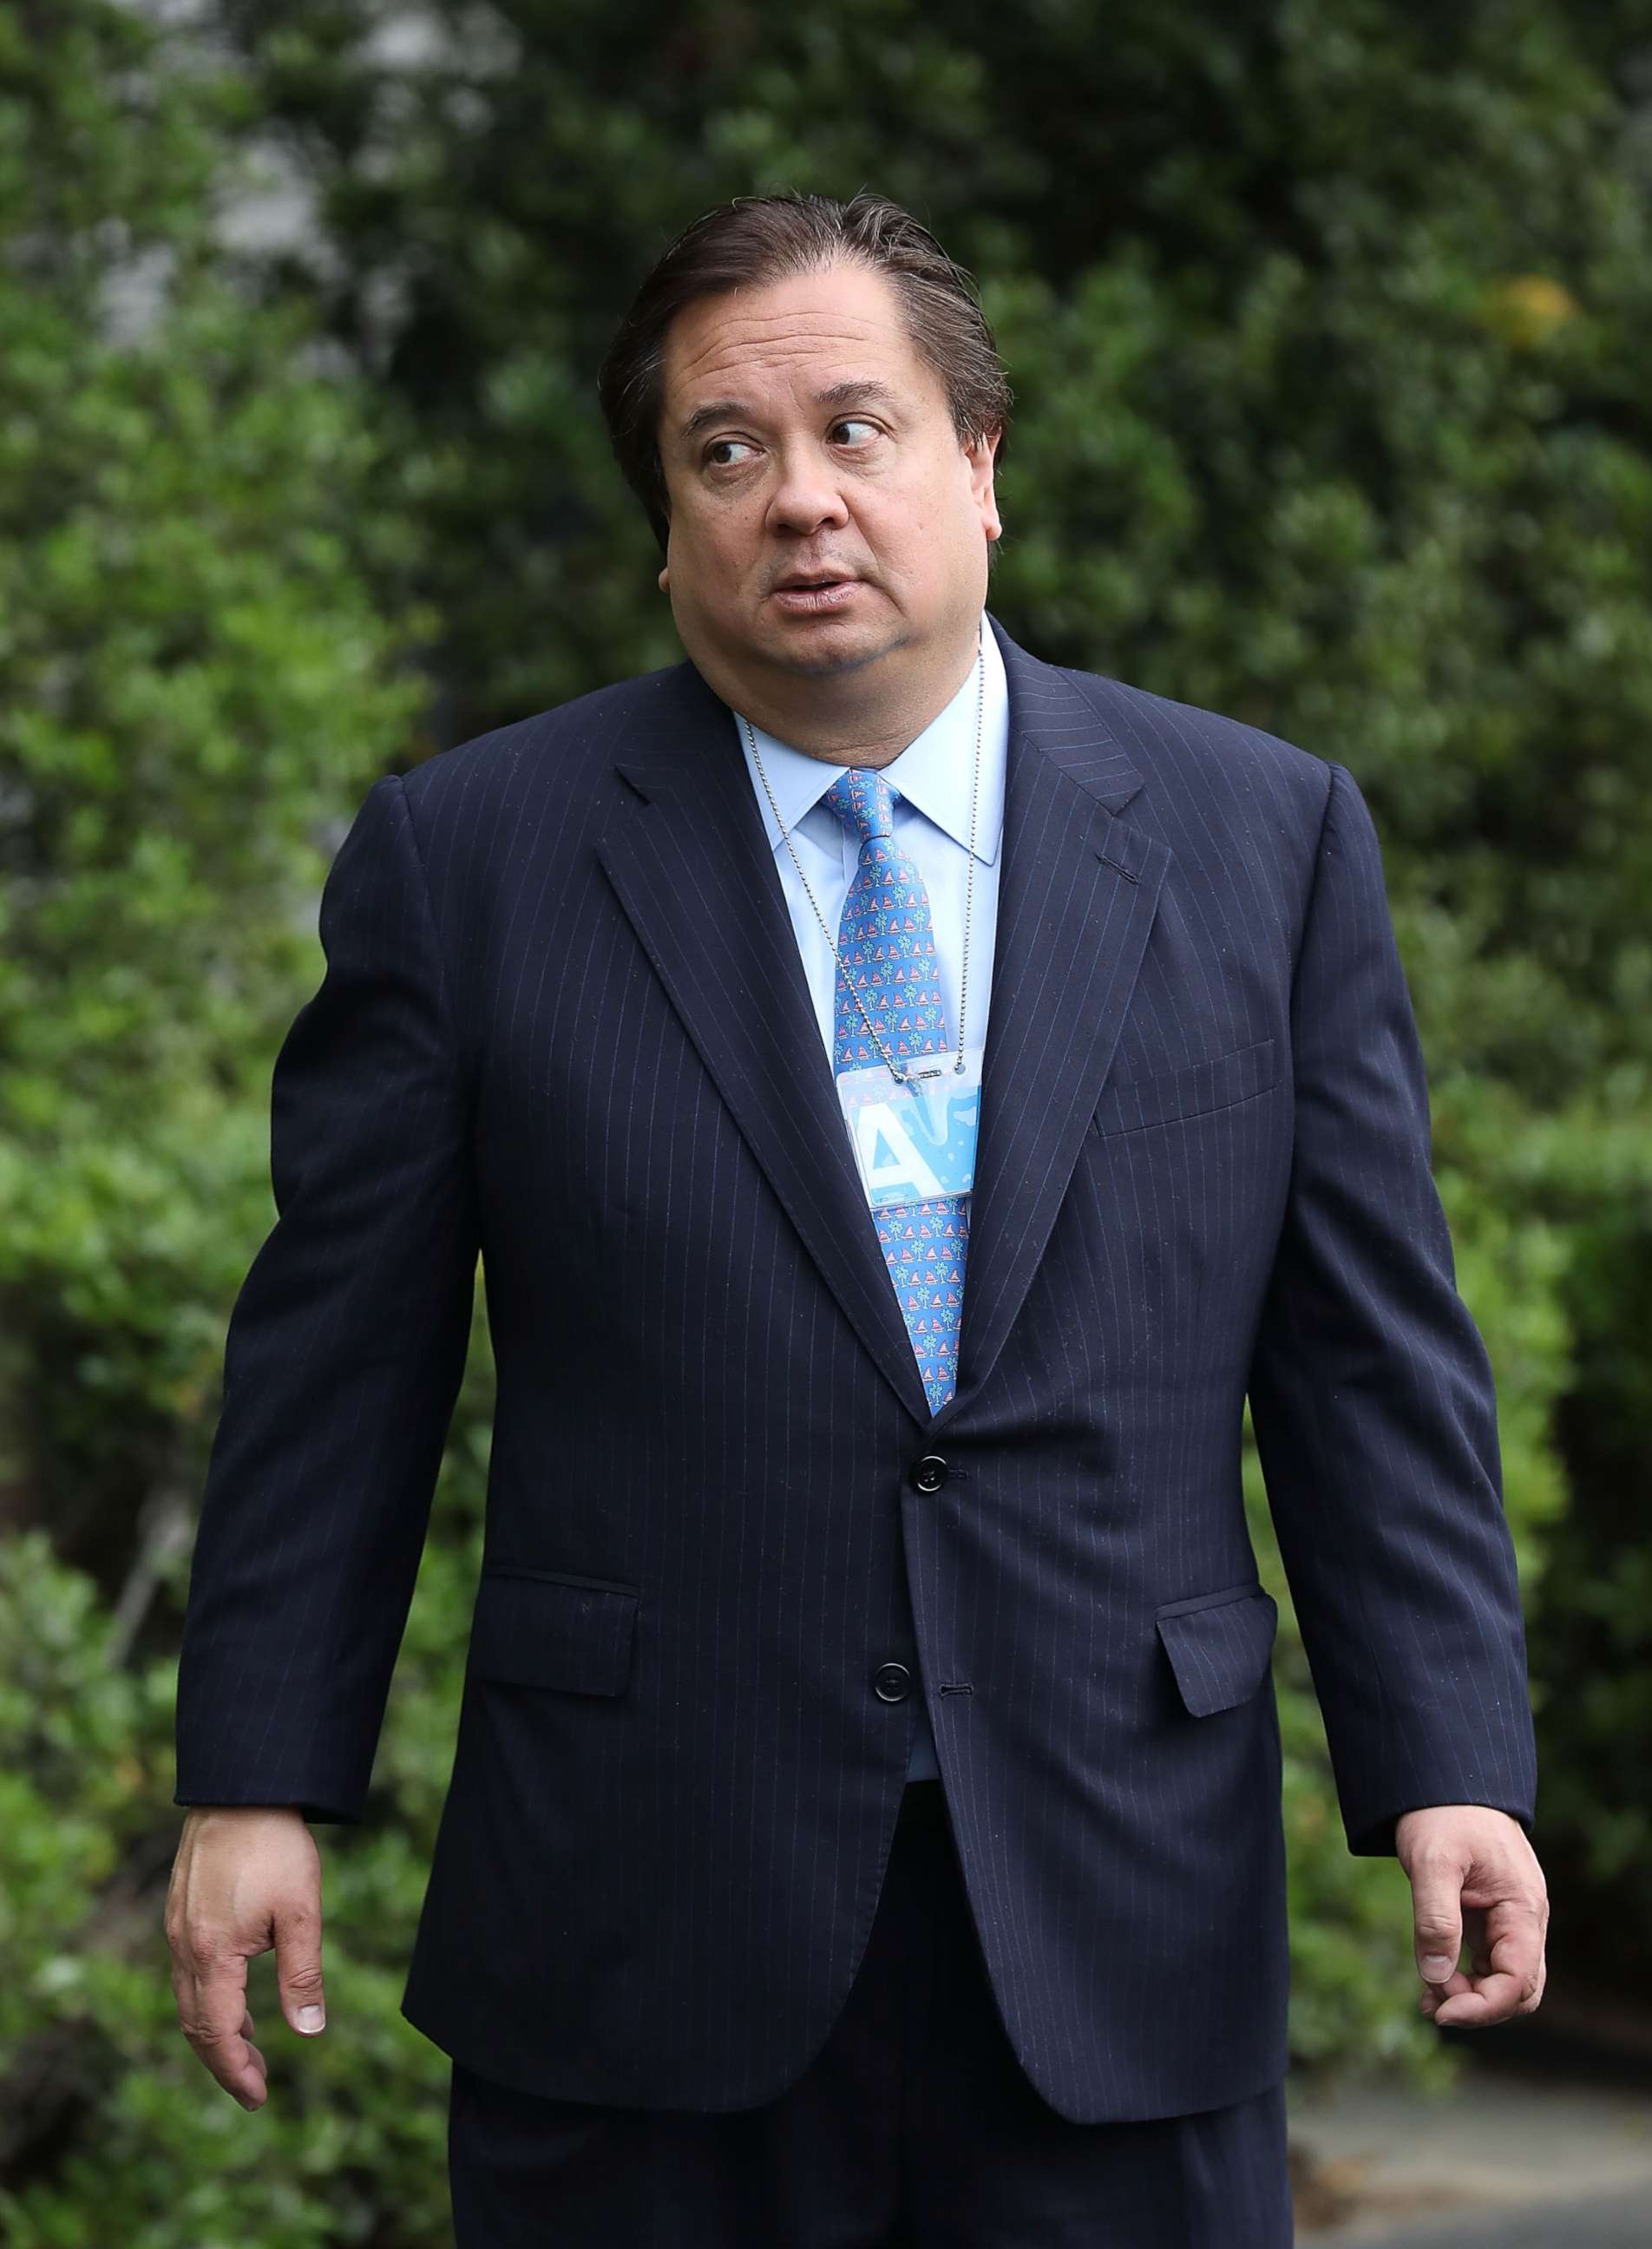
[1328, 329]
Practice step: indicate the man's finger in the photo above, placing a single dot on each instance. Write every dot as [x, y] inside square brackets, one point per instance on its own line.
[1514, 1983]
[254, 2054]
[1435, 1995]
[213, 2025]
[1493, 1999]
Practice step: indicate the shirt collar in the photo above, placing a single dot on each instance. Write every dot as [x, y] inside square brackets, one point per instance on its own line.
[934, 773]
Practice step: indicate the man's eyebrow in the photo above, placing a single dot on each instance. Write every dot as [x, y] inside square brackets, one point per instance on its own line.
[856, 391]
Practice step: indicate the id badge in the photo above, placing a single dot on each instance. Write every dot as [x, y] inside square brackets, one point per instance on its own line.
[915, 1141]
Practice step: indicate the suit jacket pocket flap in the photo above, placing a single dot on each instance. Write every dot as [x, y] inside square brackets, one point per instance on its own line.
[535, 1628]
[1219, 1650]
[1193, 1092]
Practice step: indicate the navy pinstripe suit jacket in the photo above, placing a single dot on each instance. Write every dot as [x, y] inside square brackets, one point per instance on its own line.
[564, 1023]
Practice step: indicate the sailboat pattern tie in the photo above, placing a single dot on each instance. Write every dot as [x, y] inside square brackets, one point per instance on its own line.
[886, 942]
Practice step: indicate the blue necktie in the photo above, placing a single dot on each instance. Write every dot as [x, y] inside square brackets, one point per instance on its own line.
[886, 942]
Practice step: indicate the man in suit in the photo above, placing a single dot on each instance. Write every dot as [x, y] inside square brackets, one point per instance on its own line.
[905, 1096]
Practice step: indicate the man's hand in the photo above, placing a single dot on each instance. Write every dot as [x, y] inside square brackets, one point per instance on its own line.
[245, 1877]
[1473, 1873]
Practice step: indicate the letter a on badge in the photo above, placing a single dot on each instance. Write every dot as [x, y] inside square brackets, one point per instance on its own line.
[892, 1167]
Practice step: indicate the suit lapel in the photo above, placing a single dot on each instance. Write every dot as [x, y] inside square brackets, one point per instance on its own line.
[1078, 891]
[691, 866]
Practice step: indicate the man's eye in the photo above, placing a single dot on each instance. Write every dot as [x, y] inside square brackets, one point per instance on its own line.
[855, 422]
[719, 445]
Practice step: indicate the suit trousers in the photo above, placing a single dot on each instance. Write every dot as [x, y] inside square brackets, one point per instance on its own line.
[913, 2128]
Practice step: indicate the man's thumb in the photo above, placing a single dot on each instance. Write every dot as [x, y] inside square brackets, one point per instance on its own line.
[298, 1974]
[1439, 1934]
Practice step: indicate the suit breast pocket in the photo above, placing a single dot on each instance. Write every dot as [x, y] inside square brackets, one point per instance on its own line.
[1197, 1089]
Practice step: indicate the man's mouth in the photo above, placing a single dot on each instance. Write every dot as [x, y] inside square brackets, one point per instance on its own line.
[804, 597]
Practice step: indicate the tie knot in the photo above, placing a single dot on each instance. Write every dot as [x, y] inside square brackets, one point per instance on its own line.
[863, 800]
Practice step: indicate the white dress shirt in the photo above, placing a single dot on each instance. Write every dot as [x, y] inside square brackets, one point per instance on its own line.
[932, 778]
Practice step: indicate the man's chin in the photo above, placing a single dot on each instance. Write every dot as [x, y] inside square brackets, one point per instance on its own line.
[817, 647]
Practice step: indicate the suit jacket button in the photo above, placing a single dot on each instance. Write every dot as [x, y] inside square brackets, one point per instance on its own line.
[929, 1472]
[891, 1682]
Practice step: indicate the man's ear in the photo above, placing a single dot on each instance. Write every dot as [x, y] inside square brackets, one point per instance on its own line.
[665, 579]
[982, 453]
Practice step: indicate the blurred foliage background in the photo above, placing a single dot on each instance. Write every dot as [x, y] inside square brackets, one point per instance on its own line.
[1329, 324]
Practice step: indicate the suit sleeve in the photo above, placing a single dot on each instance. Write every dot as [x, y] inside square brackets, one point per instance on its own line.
[1372, 1396]
[345, 1350]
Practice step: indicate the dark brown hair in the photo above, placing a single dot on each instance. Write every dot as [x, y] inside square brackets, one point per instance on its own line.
[756, 239]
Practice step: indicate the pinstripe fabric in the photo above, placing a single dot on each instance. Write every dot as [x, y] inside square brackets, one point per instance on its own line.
[565, 1020]
[913, 2128]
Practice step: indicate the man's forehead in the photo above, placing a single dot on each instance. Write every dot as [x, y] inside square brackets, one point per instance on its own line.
[788, 332]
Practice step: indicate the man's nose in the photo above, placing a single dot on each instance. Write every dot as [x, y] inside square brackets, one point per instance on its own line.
[807, 494]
